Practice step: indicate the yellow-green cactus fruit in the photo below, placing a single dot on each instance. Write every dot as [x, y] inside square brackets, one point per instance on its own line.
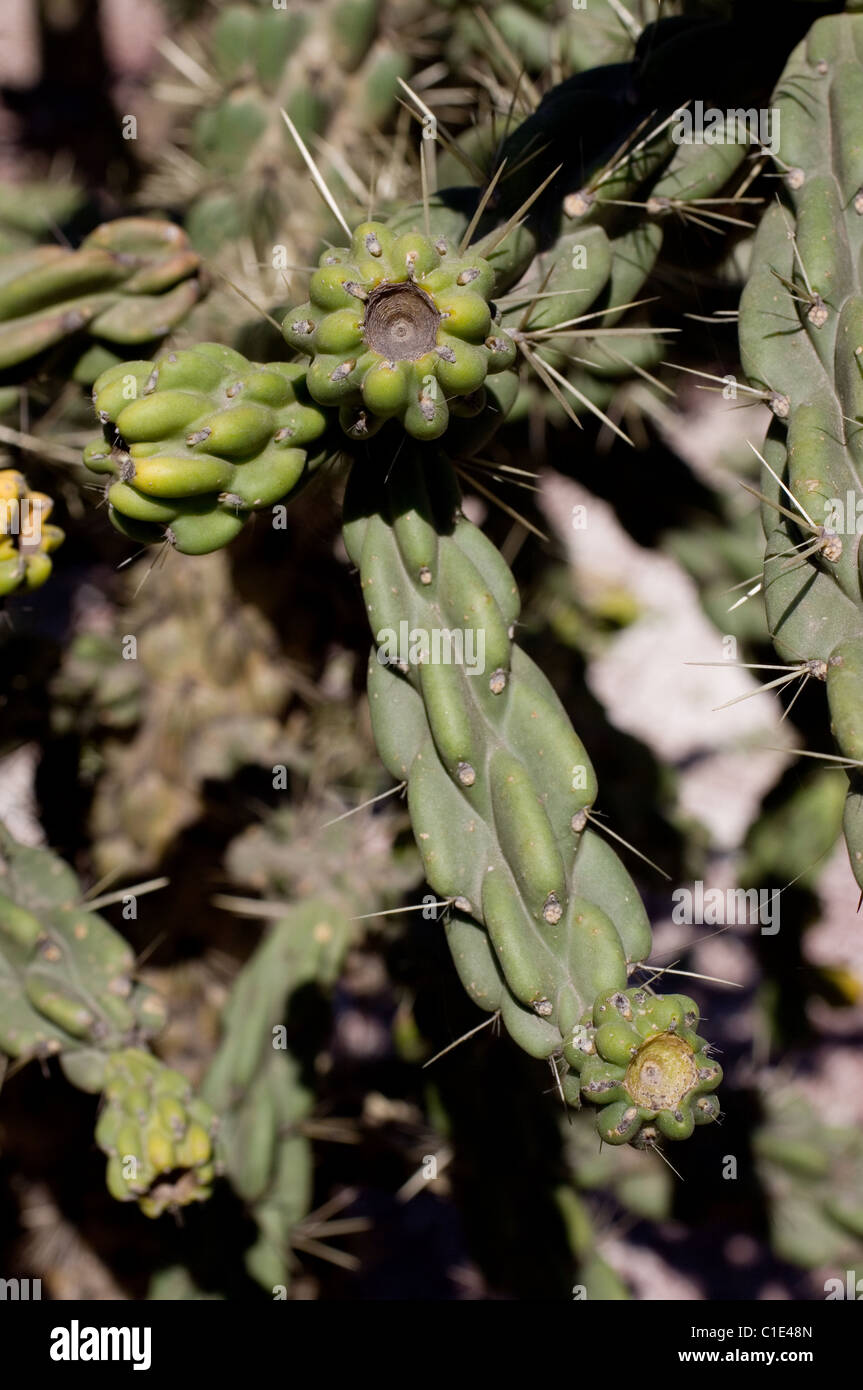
[158, 1137]
[198, 440]
[27, 539]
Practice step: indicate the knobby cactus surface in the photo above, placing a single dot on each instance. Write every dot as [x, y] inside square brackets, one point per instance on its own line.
[301, 367]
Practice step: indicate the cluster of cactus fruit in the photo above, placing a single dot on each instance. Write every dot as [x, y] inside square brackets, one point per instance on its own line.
[27, 538]
[158, 1136]
[406, 348]
[198, 440]
[399, 328]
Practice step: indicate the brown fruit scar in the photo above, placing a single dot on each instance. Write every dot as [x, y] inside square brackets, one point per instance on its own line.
[401, 322]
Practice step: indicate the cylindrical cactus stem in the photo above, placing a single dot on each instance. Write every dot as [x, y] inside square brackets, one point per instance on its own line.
[801, 339]
[130, 282]
[544, 922]
[67, 991]
[67, 984]
[257, 1086]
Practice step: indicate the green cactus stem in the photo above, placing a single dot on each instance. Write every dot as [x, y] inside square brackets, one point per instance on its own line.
[801, 341]
[543, 920]
[130, 282]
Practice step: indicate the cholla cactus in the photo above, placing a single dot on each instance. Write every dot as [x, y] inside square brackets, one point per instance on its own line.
[67, 989]
[805, 267]
[67, 983]
[544, 922]
[404, 339]
[130, 282]
[256, 1082]
[257, 1085]
[332, 66]
[813, 1177]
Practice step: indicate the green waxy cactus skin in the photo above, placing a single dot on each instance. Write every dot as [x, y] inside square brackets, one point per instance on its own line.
[257, 1086]
[157, 1135]
[130, 282]
[397, 326]
[806, 277]
[67, 989]
[198, 440]
[544, 920]
[67, 983]
[27, 538]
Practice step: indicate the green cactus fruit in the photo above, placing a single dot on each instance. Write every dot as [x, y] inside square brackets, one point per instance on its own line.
[198, 440]
[397, 326]
[640, 1058]
[543, 923]
[806, 266]
[27, 538]
[131, 281]
[158, 1139]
